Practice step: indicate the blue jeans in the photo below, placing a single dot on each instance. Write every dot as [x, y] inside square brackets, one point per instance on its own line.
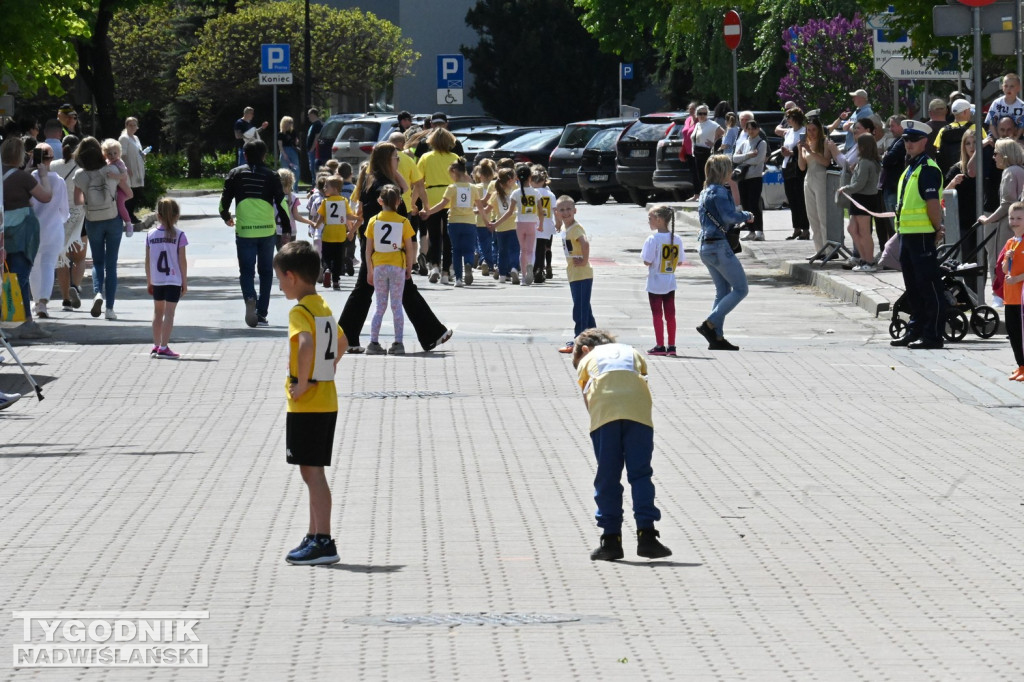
[630, 444]
[729, 278]
[21, 266]
[463, 239]
[290, 160]
[582, 314]
[256, 254]
[508, 252]
[105, 243]
[486, 241]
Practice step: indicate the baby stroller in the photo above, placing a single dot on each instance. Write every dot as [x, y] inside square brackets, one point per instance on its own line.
[960, 300]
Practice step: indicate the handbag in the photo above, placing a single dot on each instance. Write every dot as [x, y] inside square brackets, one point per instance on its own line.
[12, 306]
[732, 233]
[739, 172]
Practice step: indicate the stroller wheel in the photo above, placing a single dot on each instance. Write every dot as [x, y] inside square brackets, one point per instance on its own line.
[984, 321]
[956, 327]
[898, 328]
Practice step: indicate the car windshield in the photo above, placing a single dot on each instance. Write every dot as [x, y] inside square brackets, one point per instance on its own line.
[534, 140]
[646, 132]
[480, 141]
[363, 131]
[604, 141]
[575, 136]
[330, 130]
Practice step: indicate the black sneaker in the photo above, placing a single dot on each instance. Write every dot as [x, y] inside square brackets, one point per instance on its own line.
[722, 344]
[315, 553]
[648, 546]
[610, 549]
[671, 351]
[707, 332]
[302, 545]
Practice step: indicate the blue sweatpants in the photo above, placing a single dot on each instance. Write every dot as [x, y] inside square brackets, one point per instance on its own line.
[630, 444]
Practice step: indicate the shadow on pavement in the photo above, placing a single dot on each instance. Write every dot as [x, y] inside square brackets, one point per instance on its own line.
[656, 564]
[362, 568]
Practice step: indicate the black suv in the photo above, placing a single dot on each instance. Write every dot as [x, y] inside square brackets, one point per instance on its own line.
[635, 153]
[596, 175]
[565, 159]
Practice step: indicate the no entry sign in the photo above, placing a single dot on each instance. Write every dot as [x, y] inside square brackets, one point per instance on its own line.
[977, 3]
[732, 29]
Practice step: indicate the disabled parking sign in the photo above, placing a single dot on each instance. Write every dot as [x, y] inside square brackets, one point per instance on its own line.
[451, 69]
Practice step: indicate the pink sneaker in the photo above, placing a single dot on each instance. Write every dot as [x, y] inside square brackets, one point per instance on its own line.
[167, 353]
[154, 351]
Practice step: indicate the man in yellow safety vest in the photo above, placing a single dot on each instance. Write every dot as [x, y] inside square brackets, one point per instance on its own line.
[919, 224]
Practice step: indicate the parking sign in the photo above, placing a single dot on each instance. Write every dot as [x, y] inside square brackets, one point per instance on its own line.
[451, 69]
[275, 58]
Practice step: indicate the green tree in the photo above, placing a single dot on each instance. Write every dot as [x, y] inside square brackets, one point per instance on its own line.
[352, 52]
[143, 44]
[512, 62]
[37, 46]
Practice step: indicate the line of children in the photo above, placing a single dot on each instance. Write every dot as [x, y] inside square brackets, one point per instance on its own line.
[483, 178]
[291, 204]
[390, 252]
[461, 198]
[578, 270]
[613, 377]
[315, 345]
[528, 221]
[1011, 261]
[546, 228]
[661, 253]
[339, 224]
[166, 274]
[504, 206]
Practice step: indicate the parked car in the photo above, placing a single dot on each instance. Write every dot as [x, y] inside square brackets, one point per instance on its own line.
[357, 137]
[330, 131]
[565, 159]
[479, 138]
[596, 174]
[636, 150]
[533, 147]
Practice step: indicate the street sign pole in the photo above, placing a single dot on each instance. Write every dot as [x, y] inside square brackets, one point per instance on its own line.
[620, 86]
[979, 179]
[735, 85]
[732, 32]
[274, 123]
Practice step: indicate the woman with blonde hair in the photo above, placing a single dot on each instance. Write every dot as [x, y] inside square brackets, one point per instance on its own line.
[717, 213]
[288, 145]
[1009, 158]
[966, 191]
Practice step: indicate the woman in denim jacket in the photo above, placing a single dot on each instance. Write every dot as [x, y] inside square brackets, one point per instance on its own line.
[717, 213]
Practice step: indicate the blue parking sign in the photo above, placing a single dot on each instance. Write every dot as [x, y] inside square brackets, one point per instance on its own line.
[627, 72]
[451, 70]
[275, 58]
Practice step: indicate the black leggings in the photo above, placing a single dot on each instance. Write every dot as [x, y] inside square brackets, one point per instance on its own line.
[428, 328]
[542, 255]
[1013, 330]
[750, 199]
[333, 256]
[440, 250]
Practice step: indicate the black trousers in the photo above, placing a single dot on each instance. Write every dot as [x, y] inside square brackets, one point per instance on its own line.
[794, 187]
[750, 200]
[333, 256]
[542, 254]
[428, 328]
[440, 249]
[700, 159]
[922, 281]
[1014, 331]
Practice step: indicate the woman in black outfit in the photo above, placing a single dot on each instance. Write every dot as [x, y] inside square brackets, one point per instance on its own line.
[383, 170]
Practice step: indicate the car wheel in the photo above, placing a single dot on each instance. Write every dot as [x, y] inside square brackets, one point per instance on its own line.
[595, 197]
[638, 197]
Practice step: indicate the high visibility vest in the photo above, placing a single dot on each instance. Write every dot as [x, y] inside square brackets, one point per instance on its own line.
[912, 216]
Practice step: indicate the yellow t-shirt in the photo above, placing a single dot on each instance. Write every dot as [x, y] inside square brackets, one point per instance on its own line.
[498, 208]
[571, 243]
[614, 379]
[481, 216]
[387, 231]
[334, 210]
[462, 197]
[434, 166]
[408, 169]
[312, 316]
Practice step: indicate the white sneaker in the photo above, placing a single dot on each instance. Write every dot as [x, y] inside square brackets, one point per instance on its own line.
[865, 267]
[435, 274]
[759, 236]
[97, 305]
[8, 399]
[110, 314]
[459, 284]
[444, 278]
[502, 279]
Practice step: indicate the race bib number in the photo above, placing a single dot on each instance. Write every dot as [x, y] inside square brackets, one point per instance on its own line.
[387, 237]
[529, 203]
[462, 197]
[567, 247]
[669, 258]
[325, 346]
[545, 207]
[335, 212]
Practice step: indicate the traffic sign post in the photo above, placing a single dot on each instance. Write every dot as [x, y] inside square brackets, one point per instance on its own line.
[732, 31]
[625, 74]
[451, 69]
[275, 69]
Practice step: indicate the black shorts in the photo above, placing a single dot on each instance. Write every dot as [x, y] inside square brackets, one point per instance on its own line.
[167, 292]
[309, 438]
[872, 202]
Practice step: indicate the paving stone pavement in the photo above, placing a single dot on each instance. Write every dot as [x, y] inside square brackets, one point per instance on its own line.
[838, 509]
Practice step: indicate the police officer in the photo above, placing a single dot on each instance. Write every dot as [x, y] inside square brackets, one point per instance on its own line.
[919, 224]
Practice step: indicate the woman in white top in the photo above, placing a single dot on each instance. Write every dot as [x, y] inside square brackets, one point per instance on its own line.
[750, 155]
[792, 174]
[51, 215]
[134, 158]
[705, 133]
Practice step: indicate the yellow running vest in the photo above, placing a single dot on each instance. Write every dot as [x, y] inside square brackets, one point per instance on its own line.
[912, 217]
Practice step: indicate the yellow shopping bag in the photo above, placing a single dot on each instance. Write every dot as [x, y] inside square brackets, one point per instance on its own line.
[12, 307]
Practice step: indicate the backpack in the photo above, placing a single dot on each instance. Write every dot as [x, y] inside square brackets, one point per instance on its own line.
[98, 195]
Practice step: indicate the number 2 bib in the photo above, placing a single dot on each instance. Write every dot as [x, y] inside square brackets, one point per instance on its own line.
[387, 237]
[324, 348]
